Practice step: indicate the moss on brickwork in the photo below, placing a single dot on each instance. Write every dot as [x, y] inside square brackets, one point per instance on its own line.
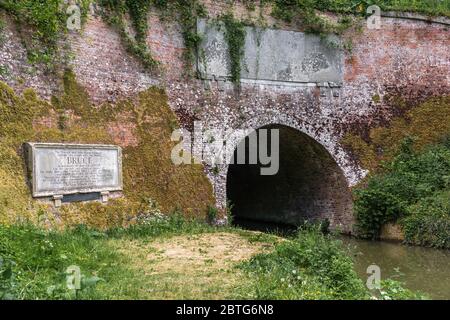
[427, 123]
[182, 187]
[16, 126]
[147, 167]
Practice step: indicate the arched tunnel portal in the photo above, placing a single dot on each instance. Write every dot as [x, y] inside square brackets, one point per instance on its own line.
[309, 185]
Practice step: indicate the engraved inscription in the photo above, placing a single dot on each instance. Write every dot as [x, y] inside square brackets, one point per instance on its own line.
[71, 168]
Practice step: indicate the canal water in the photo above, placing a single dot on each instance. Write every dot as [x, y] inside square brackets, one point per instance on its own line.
[420, 269]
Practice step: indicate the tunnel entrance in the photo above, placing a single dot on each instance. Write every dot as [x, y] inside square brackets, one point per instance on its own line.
[309, 186]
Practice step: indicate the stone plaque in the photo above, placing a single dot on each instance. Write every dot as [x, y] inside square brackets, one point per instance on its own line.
[61, 169]
[272, 55]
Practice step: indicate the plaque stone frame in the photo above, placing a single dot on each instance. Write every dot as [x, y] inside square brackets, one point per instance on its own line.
[32, 150]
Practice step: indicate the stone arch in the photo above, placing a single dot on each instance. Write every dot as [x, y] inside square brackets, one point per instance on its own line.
[327, 139]
[335, 205]
[309, 186]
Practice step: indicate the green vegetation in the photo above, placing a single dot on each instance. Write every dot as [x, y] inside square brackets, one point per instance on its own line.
[394, 290]
[2, 29]
[156, 225]
[33, 261]
[305, 13]
[148, 170]
[235, 38]
[428, 7]
[311, 266]
[47, 21]
[428, 222]
[427, 122]
[138, 11]
[46, 18]
[409, 182]
[294, 9]
[131, 263]
[412, 189]
[212, 214]
[184, 11]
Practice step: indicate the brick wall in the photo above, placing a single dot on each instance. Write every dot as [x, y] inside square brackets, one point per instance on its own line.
[405, 57]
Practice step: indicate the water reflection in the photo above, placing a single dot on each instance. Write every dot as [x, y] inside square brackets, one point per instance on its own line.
[422, 269]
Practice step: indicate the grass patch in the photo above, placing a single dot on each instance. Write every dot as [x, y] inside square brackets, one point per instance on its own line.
[39, 260]
[177, 258]
[158, 226]
[161, 257]
[191, 266]
[310, 266]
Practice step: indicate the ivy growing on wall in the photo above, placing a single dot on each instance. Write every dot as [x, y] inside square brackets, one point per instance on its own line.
[47, 21]
[235, 38]
[305, 13]
[2, 29]
[185, 11]
[137, 9]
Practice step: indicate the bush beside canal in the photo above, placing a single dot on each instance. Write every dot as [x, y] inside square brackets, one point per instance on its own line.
[412, 189]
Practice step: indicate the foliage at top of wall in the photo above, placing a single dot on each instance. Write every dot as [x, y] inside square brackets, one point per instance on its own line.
[306, 14]
[149, 174]
[47, 21]
[185, 11]
[429, 7]
[426, 123]
[138, 10]
[292, 9]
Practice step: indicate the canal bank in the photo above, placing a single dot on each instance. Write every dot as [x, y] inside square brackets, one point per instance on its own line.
[418, 268]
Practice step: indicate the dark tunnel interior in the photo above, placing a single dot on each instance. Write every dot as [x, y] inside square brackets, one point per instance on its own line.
[309, 185]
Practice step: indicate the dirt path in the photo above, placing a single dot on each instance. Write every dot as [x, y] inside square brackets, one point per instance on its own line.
[191, 266]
